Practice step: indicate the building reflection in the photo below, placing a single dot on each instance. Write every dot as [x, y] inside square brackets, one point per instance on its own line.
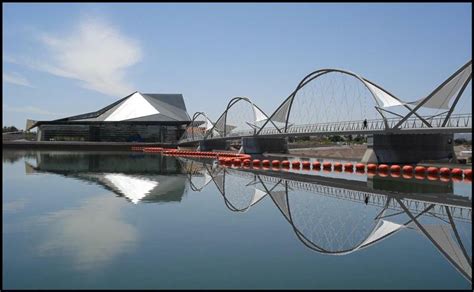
[339, 216]
[334, 216]
[139, 178]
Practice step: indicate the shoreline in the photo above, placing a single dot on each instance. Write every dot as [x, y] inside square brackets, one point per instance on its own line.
[343, 152]
[79, 145]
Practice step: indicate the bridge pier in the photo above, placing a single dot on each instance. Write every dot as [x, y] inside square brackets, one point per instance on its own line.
[409, 148]
[209, 145]
[259, 145]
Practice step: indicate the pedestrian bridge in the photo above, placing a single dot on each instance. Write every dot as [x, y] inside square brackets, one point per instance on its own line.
[458, 123]
[339, 102]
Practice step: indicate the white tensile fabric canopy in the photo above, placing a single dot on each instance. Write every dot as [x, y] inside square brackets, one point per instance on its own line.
[438, 99]
[259, 115]
[382, 230]
[258, 195]
[384, 99]
[209, 124]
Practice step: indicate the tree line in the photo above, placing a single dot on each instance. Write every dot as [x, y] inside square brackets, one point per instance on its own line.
[10, 129]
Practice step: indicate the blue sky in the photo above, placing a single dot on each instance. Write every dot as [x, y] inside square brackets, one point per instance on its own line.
[67, 59]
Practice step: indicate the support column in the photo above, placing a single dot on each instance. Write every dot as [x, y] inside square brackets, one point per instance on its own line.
[410, 186]
[209, 145]
[409, 148]
[259, 145]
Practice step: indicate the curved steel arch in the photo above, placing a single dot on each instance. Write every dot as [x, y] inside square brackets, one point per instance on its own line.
[318, 73]
[224, 172]
[308, 243]
[195, 116]
[230, 104]
[227, 202]
[413, 219]
[189, 175]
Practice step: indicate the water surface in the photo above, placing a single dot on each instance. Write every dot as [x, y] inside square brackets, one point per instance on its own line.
[134, 220]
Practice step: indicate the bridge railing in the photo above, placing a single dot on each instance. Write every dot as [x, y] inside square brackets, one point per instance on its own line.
[193, 137]
[373, 125]
[375, 199]
[455, 121]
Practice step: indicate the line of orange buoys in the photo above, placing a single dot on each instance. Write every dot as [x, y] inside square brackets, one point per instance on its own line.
[406, 171]
[444, 174]
[203, 154]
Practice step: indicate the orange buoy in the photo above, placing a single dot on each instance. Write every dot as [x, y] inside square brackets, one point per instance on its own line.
[407, 175]
[395, 168]
[432, 176]
[359, 171]
[444, 171]
[237, 161]
[256, 162]
[420, 176]
[407, 169]
[306, 164]
[221, 160]
[266, 163]
[383, 167]
[432, 170]
[295, 164]
[316, 165]
[420, 170]
[395, 173]
[275, 163]
[371, 167]
[285, 164]
[337, 165]
[456, 172]
[360, 167]
[228, 161]
[349, 167]
[327, 165]
[467, 173]
[445, 178]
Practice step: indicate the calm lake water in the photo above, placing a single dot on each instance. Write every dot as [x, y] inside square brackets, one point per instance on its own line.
[134, 220]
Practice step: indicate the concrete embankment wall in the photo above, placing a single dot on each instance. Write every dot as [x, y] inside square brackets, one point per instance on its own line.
[344, 151]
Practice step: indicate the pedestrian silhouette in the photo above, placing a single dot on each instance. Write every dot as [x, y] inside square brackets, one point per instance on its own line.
[365, 123]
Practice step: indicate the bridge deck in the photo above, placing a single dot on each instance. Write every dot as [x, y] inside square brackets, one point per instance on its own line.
[461, 123]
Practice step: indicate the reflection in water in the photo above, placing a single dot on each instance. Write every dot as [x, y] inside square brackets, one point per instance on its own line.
[338, 216]
[329, 215]
[14, 206]
[95, 233]
[133, 188]
[12, 156]
[139, 178]
[92, 234]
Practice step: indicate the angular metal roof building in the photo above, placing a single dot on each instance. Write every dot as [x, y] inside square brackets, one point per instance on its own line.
[144, 117]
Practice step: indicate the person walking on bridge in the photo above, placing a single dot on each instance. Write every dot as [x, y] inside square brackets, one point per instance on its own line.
[365, 124]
